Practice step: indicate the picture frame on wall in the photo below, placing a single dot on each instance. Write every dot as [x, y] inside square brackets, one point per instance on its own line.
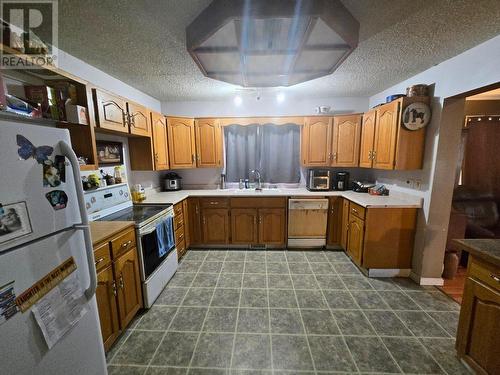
[109, 153]
[14, 221]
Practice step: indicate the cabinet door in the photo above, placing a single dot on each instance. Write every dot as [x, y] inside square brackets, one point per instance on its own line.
[345, 145]
[272, 226]
[385, 136]
[187, 234]
[334, 236]
[111, 111]
[316, 141]
[106, 303]
[181, 145]
[129, 286]
[345, 224]
[194, 221]
[208, 143]
[215, 225]
[244, 226]
[159, 123]
[355, 238]
[478, 341]
[367, 139]
[139, 120]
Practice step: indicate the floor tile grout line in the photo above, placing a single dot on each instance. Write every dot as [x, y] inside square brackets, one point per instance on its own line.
[415, 337]
[206, 314]
[269, 317]
[237, 316]
[173, 318]
[340, 331]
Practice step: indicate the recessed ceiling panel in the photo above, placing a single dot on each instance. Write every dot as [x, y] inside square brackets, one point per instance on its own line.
[271, 43]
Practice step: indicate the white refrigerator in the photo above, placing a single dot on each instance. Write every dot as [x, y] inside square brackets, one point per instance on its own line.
[43, 223]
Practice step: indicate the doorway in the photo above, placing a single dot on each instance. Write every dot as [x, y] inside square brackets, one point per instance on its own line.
[476, 195]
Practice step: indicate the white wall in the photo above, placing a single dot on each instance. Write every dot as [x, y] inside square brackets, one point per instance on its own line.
[266, 106]
[470, 70]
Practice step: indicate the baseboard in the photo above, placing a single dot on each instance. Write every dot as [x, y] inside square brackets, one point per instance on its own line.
[438, 281]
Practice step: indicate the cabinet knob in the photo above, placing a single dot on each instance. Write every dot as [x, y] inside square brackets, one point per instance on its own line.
[126, 244]
[496, 278]
[98, 261]
[120, 282]
[113, 287]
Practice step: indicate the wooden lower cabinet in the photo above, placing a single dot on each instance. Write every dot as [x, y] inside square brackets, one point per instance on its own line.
[106, 293]
[244, 229]
[194, 221]
[335, 218]
[378, 238]
[355, 238]
[119, 290]
[272, 226]
[215, 223]
[478, 341]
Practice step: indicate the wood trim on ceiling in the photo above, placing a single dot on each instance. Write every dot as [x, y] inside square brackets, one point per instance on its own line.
[282, 120]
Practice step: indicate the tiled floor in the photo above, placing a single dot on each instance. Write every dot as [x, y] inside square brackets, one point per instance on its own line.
[276, 312]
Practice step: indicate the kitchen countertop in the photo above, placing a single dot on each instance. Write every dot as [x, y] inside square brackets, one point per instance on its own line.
[486, 249]
[395, 200]
[102, 230]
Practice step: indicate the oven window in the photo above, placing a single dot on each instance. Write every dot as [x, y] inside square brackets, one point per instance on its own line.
[150, 254]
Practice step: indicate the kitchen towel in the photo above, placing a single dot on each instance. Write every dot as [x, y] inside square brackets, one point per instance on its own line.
[161, 238]
[169, 229]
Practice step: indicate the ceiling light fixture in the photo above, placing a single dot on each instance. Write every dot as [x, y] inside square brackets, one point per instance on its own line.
[262, 43]
[238, 100]
[280, 98]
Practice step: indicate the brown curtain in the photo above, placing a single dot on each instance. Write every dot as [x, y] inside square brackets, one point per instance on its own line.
[482, 157]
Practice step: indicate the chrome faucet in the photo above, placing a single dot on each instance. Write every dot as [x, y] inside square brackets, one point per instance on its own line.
[257, 176]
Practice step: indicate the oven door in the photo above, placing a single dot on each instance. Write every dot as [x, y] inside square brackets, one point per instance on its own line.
[148, 250]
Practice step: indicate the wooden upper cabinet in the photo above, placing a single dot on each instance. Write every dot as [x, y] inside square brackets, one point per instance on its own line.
[208, 143]
[367, 139]
[181, 142]
[139, 120]
[385, 135]
[160, 144]
[128, 281]
[215, 225]
[111, 111]
[272, 226]
[345, 145]
[244, 226]
[316, 141]
[108, 310]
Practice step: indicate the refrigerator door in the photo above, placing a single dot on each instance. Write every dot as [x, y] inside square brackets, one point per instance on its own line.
[23, 348]
[23, 191]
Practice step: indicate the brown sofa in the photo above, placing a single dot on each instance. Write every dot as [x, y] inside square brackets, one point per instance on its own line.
[481, 210]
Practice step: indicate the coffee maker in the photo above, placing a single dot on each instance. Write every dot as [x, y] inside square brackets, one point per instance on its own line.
[341, 181]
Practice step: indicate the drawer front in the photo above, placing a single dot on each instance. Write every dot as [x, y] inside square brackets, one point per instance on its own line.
[181, 249]
[357, 210]
[178, 221]
[274, 202]
[214, 202]
[123, 243]
[179, 235]
[178, 209]
[484, 272]
[102, 256]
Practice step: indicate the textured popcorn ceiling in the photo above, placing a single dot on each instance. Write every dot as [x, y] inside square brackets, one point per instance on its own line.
[142, 42]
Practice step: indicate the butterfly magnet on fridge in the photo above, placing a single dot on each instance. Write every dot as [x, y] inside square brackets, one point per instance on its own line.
[28, 150]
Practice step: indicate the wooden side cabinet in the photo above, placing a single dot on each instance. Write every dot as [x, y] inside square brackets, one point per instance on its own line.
[335, 218]
[181, 142]
[194, 221]
[119, 290]
[208, 143]
[478, 340]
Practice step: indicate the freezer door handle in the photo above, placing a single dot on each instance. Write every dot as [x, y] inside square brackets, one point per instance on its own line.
[67, 151]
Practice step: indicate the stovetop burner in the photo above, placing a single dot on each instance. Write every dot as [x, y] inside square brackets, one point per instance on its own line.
[139, 214]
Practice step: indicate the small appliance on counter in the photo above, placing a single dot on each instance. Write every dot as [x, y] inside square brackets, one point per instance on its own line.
[361, 187]
[341, 181]
[318, 180]
[172, 182]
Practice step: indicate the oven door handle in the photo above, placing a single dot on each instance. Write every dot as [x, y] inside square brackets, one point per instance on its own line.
[149, 231]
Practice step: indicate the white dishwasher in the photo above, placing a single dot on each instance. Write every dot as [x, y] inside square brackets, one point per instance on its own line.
[307, 222]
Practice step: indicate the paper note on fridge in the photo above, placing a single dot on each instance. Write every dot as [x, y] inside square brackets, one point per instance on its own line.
[58, 311]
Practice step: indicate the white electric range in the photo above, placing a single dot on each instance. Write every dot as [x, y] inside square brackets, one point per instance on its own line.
[113, 203]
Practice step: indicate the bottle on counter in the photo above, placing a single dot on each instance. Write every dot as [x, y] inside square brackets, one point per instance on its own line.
[138, 194]
[222, 181]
